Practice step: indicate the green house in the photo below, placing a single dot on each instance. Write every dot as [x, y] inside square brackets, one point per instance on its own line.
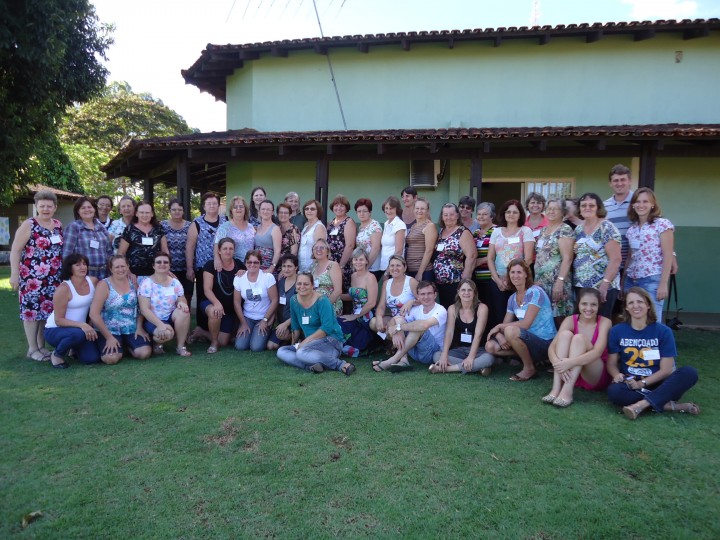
[495, 113]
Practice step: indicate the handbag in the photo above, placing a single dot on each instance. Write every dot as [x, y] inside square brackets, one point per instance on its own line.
[673, 322]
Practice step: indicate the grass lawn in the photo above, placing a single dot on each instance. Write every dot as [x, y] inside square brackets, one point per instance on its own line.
[238, 445]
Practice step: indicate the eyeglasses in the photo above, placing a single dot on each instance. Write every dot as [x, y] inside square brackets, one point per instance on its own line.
[162, 262]
[238, 207]
[465, 207]
[319, 248]
[252, 262]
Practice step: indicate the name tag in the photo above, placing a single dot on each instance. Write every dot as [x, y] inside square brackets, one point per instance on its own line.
[514, 240]
[306, 320]
[94, 244]
[650, 354]
[520, 313]
[635, 244]
[593, 244]
[334, 232]
[382, 335]
[536, 233]
[257, 291]
[581, 241]
[283, 300]
[297, 345]
[168, 291]
[316, 283]
[147, 241]
[55, 239]
[541, 243]
[465, 338]
[358, 310]
[440, 246]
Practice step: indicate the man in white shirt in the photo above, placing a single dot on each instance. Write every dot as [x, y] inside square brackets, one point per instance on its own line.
[424, 330]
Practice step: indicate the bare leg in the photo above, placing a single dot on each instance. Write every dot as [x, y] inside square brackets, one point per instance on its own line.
[578, 345]
[181, 321]
[142, 353]
[31, 335]
[562, 349]
[411, 338]
[213, 327]
[512, 334]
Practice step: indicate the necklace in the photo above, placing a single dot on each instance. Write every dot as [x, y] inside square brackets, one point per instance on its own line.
[223, 287]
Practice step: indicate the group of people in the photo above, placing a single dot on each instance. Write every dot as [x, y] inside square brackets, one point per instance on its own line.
[457, 296]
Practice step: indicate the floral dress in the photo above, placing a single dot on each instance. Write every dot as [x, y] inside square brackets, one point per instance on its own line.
[289, 239]
[336, 241]
[39, 273]
[363, 240]
[450, 260]
[547, 267]
[359, 298]
[324, 285]
[591, 259]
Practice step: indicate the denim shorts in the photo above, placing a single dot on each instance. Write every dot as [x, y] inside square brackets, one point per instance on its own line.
[125, 340]
[537, 346]
[150, 327]
[424, 349]
[229, 322]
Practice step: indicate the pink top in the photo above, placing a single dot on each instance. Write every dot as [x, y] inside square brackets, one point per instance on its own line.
[604, 355]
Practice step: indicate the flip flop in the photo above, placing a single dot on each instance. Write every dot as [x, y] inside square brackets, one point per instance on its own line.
[182, 351]
[519, 378]
[377, 368]
[348, 369]
[397, 368]
[212, 349]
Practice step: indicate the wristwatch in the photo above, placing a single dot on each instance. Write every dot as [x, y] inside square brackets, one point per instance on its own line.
[561, 278]
[265, 319]
[397, 327]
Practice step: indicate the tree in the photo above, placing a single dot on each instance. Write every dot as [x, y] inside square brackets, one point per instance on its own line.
[50, 57]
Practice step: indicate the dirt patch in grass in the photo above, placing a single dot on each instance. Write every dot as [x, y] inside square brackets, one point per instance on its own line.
[228, 433]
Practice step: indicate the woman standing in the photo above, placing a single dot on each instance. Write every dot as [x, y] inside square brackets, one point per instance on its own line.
[88, 236]
[528, 327]
[268, 238]
[466, 322]
[597, 253]
[237, 229]
[127, 208]
[393, 237]
[363, 294]
[142, 240]
[176, 232]
[455, 254]
[255, 300]
[162, 304]
[257, 195]
[642, 362]
[313, 231]
[341, 238]
[420, 242]
[289, 233]
[482, 276]
[286, 290]
[369, 235]
[651, 240]
[327, 278]
[509, 241]
[66, 327]
[579, 352]
[35, 262]
[115, 314]
[536, 221]
[219, 294]
[571, 214]
[553, 260]
[312, 317]
[297, 218]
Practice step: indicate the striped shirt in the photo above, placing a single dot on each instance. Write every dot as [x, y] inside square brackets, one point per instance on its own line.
[617, 214]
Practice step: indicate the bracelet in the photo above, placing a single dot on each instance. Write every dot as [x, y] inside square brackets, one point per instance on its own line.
[561, 278]
[607, 280]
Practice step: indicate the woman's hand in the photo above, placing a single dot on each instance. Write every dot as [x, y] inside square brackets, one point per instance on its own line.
[217, 311]
[263, 328]
[90, 333]
[562, 366]
[558, 292]
[14, 282]
[240, 273]
[662, 292]
[467, 364]
[380, 325]
[182, 306]
[500, 282]
[244, 329]
[398, 340]
[282, 331]
[141, 333]
[217, 263]
[349, 318]
[112, 346]
[442, 363]
[407, 306]
[603, 289]
[619, 378]
[190, 274]
[163, 332]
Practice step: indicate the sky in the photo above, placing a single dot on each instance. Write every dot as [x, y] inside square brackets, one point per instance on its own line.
[155, 39]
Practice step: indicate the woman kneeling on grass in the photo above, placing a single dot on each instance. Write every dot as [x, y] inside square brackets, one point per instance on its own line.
[642, 362]
[579, 351]
[528, 327]
[163, 304]
[466, 322]
[115, 314]
[313, 315]
[255, 299]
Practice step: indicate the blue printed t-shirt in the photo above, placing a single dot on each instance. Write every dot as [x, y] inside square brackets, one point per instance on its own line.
[544, 325]
[321, 315]
[640, 351]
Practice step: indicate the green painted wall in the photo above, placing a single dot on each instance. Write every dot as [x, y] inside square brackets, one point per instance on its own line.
[520, 83]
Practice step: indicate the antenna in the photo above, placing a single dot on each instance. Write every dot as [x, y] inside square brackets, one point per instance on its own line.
[535, 17]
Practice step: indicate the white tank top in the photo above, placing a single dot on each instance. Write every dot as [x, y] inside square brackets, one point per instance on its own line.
[394, 303]
[78, 306]
[306, 245]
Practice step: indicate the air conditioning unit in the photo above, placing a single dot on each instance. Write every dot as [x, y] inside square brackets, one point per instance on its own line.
[425, 173]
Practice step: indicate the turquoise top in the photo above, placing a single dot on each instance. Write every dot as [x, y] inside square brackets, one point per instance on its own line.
[320, 315]
[120, 310]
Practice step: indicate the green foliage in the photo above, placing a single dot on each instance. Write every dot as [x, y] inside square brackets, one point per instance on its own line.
[50, 57]
[51, 166]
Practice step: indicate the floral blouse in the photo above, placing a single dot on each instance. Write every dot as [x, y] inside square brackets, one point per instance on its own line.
[644, 240]
[363, 240]
[591, 259]
[289, 239]
[449, 258]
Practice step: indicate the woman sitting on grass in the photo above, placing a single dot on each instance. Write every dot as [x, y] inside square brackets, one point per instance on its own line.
[286, 290]
[313, 315]
[579, 351]
[163, 304]
[528, 327]
[363, 294]
[67, 326]
[115, 314]
[642, 362]
[466, 322]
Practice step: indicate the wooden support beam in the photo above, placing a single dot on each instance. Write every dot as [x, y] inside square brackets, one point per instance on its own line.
[540, 145]
[190, 152]
[696, 33]
[405, 43]
[497, 41]
[321, 49]
[592, 37]
[642, 35]
[648, 155]
[363, 47]
[486, 147]
[183, 185]
[545, 39]
[322, 173]
[248, 55]
[279, 52]
[329, 149]
[148, 194]
[380, 149]
[451, 43]
[233, 151]
[433, 148]
[476, 173]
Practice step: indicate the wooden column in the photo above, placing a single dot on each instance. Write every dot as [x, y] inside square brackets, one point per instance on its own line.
[648, 157]
[476, 166]
[183, 184]
[322, 170]
[148, 194]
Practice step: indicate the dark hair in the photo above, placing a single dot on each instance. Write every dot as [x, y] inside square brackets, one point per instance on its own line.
[307, 275]
[128, 198]
[363, 202]
[655, 211]
[601, 212]
[253, 210]
[80, 202]
[205, 197]
[468, 201]
[501, 214]
[476, 300]
[441, 221]
[651, 315]
[112, 204]
[317, 205]
[619, 169]
[69, 261]
[162, 254]
[535, 196]
[393, 202]
[342, 199]
[410, 190]
[175, 200]
[526, 268]
[154, 220]
[268, 201]
[253, 253]
[587, 291]
[225, 241]
[424, 284]
[112, 259]
[288, 257]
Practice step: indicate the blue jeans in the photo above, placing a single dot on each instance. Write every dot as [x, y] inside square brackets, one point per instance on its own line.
[65, 338]
[325, 351]
[670, 389]
[253, 340]
[650, 284]
[424, 349]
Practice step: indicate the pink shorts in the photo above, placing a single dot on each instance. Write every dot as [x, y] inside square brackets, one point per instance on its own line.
[602, 384]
